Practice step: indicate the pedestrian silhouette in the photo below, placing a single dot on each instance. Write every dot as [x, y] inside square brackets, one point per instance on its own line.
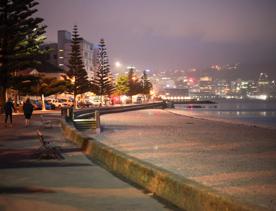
[8, 108]
[28, 111]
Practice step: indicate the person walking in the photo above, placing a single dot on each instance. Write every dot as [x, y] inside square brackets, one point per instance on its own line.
[28, 111]
[8, 108]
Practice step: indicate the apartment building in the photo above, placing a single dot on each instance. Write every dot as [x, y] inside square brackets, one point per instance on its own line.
[59, 54]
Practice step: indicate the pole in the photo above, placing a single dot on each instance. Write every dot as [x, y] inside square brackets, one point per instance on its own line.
[98, 121]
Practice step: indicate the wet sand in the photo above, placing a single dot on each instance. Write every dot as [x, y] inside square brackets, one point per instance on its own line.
[235, 159]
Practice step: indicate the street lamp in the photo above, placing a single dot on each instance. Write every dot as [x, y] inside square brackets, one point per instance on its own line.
[118, 64]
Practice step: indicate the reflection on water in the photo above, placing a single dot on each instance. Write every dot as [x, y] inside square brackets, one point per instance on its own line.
[253, 112]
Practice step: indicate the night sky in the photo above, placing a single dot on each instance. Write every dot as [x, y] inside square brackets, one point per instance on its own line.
[170, 34]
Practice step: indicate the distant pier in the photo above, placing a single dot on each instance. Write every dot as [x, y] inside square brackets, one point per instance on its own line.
[171, 102]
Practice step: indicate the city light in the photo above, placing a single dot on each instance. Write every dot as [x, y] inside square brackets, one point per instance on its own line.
[258, 97]
[130, 67]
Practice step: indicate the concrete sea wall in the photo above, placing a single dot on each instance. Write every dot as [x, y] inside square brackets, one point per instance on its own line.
[184, 193]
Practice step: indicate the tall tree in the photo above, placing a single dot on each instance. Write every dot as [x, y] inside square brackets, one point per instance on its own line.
[145, 84]
[122, 85]
[133, 82]
[39, 86]
[20, 37]
[103, 78]
[76, 68]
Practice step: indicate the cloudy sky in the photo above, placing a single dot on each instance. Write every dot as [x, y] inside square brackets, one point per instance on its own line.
[170, 34]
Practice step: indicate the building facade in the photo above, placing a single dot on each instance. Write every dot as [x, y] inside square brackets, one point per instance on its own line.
[60, 52]
[64, 51]
[52, 55]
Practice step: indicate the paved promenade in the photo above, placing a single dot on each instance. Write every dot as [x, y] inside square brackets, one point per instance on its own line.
[74, 183]
[234, 159]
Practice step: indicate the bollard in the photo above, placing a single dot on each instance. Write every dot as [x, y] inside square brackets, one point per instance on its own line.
[71, 114]
[98, 121]
[64, 112]
[68, 115]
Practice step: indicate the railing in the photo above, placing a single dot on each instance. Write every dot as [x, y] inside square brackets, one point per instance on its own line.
[89, 113]
[85, 119]
[82, 123]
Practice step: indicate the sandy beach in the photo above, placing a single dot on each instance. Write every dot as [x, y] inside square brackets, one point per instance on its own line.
[235, 159]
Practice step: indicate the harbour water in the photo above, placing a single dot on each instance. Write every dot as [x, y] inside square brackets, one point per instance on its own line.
[253, 112]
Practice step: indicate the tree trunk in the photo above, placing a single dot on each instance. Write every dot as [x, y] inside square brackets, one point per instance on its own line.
[43, 108]
[101, 101]
[75, 103]
[75, 100]
[3, 98]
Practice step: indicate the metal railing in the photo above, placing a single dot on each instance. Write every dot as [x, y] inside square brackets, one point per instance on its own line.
[85, 119]
[89, 113]
[92, 122]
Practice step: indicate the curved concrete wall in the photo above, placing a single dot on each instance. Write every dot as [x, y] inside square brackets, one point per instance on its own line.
[178, 190]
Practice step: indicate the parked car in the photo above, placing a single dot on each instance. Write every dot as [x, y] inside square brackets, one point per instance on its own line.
[49, 105]
[139, 100]
[66, 102]
[58, 103]
[85, 104]
[36, 104]
[55, 102]
[96, 102]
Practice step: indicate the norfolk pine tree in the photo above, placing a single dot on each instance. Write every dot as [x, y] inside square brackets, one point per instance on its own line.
[20, 38]
[134, 84]
[103, 78]
[145, 84]
[38, 85]
[76, 71]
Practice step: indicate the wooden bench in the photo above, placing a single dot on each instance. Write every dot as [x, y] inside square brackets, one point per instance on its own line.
[46, 123]
[47, 149]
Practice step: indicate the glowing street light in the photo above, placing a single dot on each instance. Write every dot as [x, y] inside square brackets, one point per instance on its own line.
[118, 64]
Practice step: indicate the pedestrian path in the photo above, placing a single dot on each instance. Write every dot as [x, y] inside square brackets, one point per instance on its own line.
[74, 183]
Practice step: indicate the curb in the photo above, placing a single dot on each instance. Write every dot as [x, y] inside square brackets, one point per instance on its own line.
[184, 193]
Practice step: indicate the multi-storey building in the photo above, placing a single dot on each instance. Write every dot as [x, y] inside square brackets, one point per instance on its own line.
[64, 51]
[221, 88]
[206, 85]
[59, 53]
[52, 55]
[263, 84]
